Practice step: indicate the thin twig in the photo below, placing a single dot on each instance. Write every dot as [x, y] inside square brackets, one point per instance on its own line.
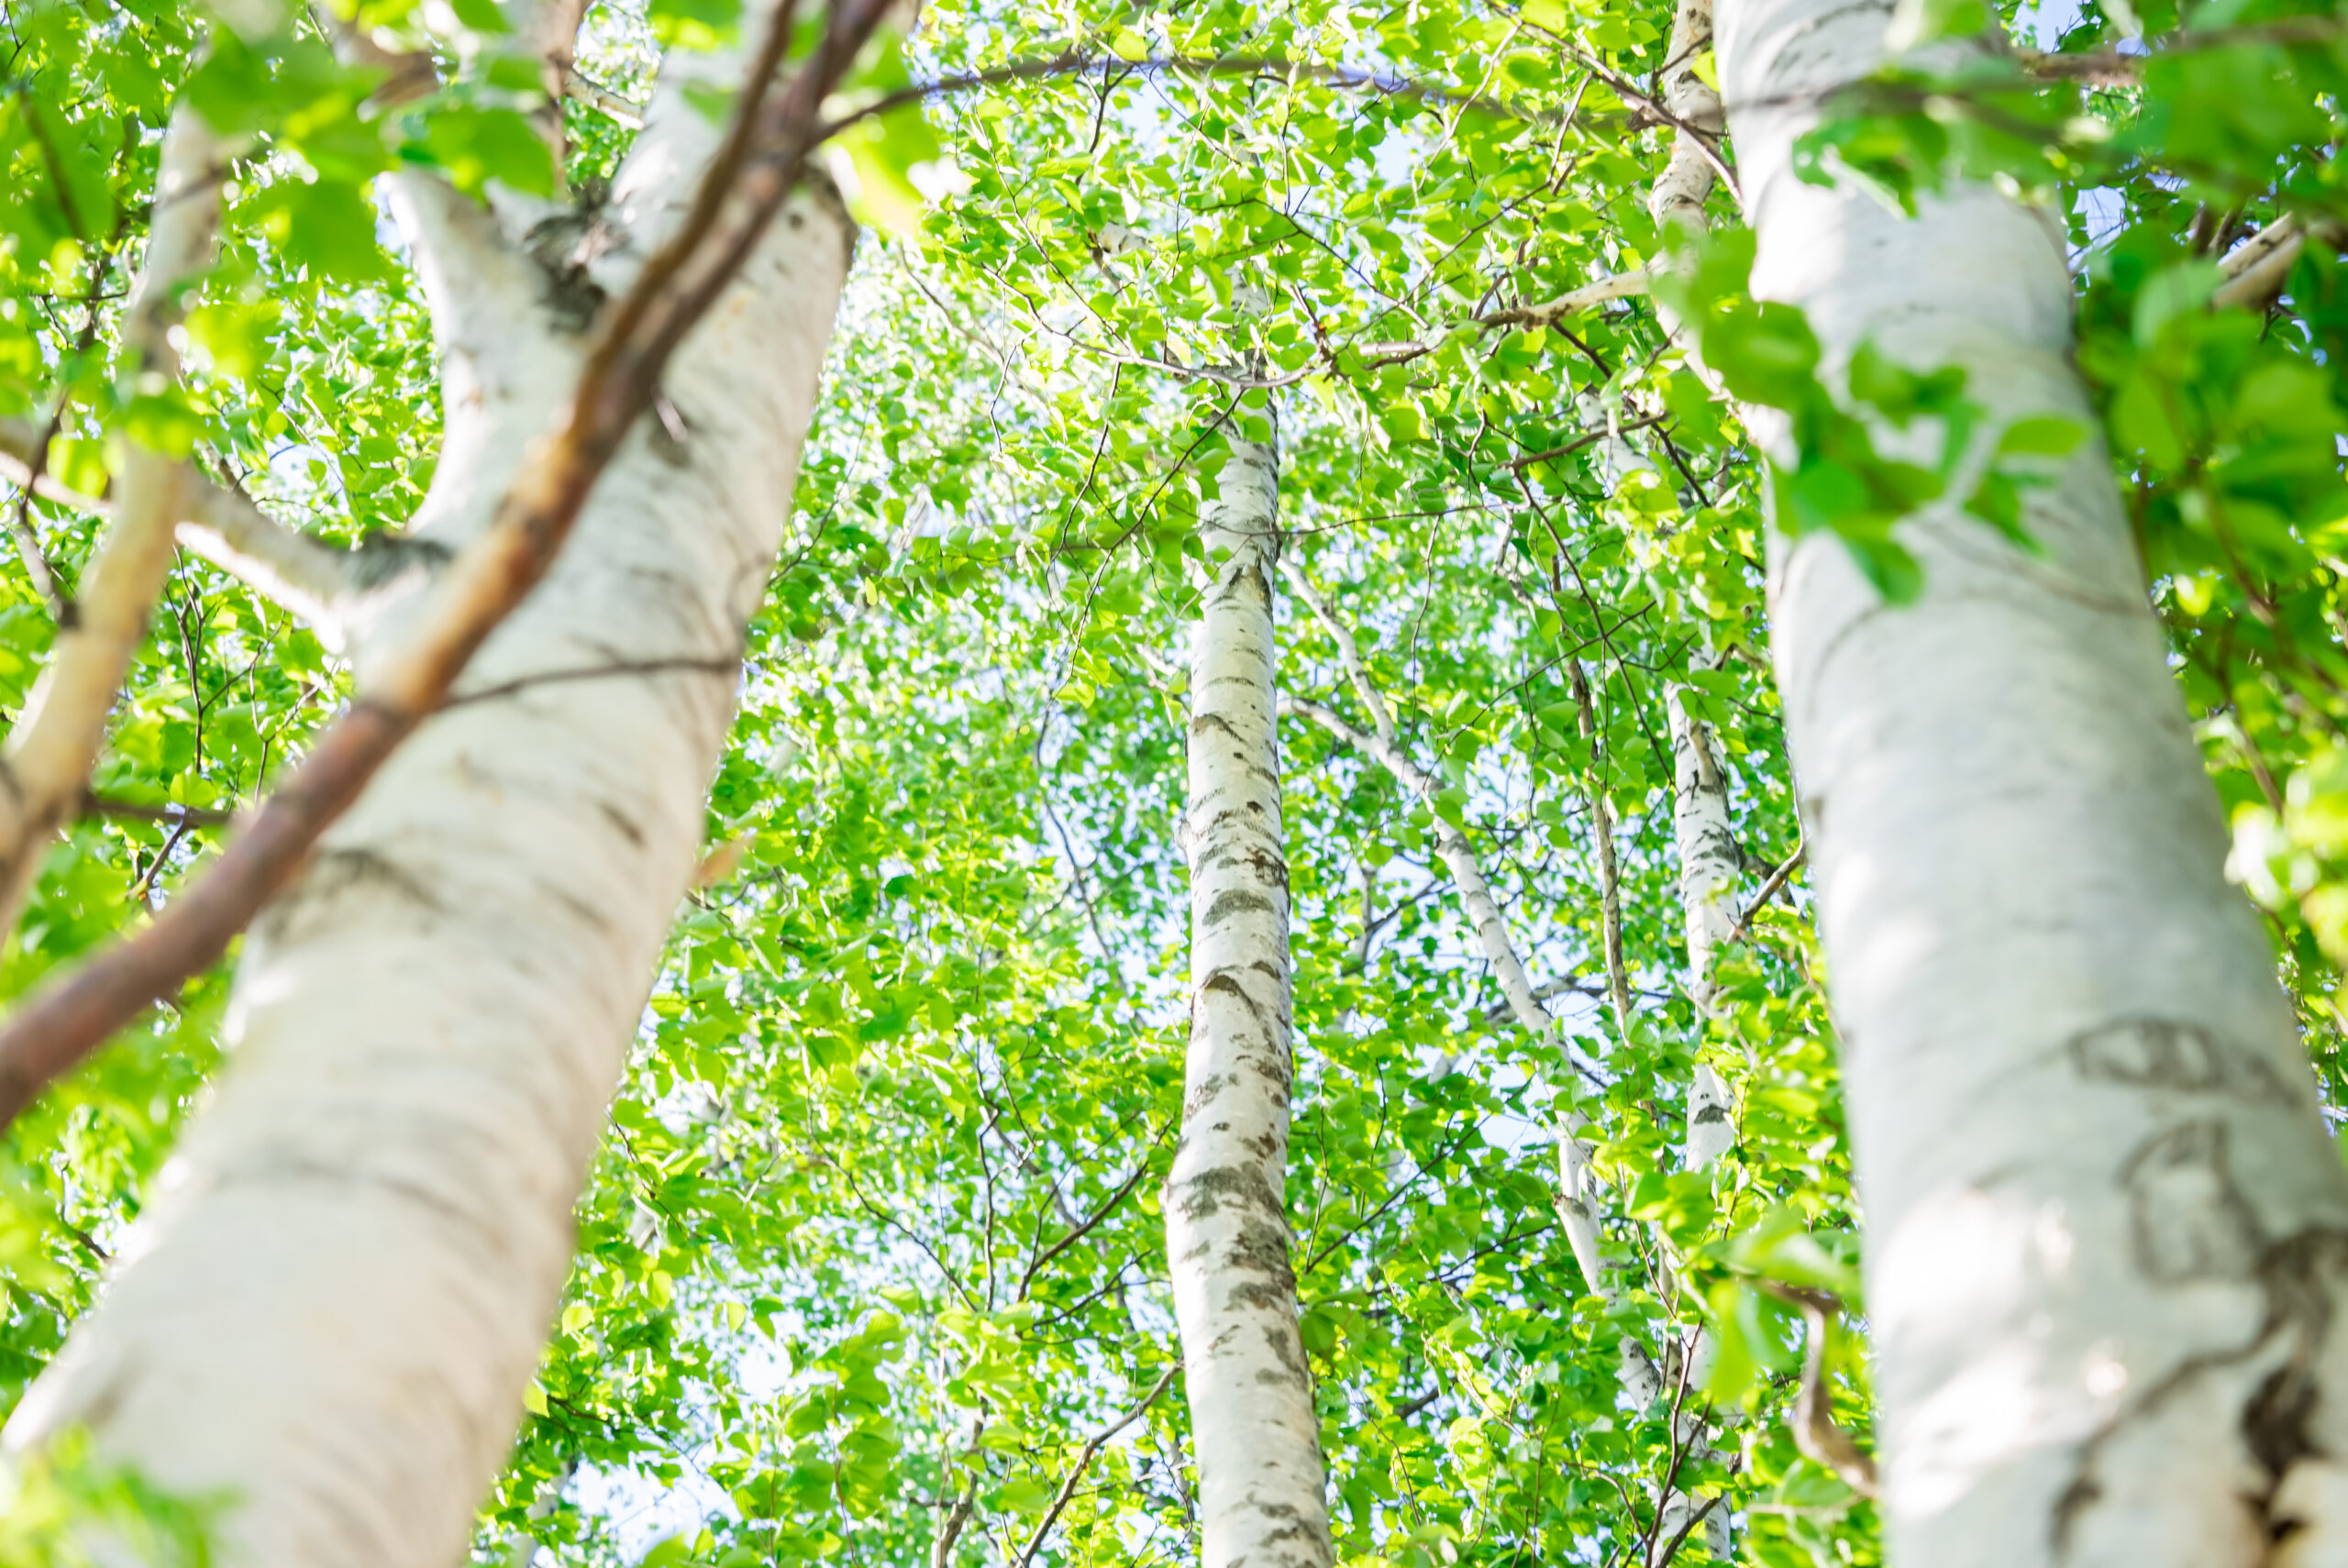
[103, 807]
[1084, 1461]
[1770, 889]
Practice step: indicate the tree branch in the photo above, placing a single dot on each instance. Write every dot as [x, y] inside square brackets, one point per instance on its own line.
[291, 570]
[1348, 652]
[1078, 63]
[48, 754]
[1814, 1431]
[1770, 889]
[1084, 1461]
[2109, 68]
[1610, 881]
[101, 806]
[582, 88]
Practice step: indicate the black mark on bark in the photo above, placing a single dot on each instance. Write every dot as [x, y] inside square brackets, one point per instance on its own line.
[2160, 1054]
[2189, 1220]
[1237, 899]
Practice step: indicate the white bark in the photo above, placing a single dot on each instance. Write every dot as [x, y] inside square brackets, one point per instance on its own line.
[1254, 1434]
[1708, 863]
[2106, 1229]
[333, 1301]
[1578, 1189]
[313, 579]
[1676, 200]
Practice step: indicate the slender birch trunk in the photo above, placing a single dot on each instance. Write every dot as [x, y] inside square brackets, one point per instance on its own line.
[1254, 1433]
[333, 1303]
[1710, 862]
[2107, 1232]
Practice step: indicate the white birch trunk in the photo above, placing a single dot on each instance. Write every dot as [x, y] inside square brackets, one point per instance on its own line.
[2107, 1232]
[1254, 1434]
[335, 1300]
[1710, 862]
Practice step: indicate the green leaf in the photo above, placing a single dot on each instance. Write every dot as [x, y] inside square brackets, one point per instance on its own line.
[234, 337]
[326, 227]
[2169, 293]
[676, 1549]
[2041, 435]
[701, 25]
[1765, 354]
[477, 145]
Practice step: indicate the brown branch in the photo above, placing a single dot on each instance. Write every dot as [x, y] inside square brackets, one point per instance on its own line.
[1084, 1461]
[1671, 1548]
[1085, 1226]
[1579, 442]
[1770, 889]
[104, 807]
[1814, 1431]
[2109, 68]
[684, 664]
[757, 167]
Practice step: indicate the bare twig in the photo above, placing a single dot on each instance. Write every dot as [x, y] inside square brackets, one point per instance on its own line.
[1083, 1461]
[1770, 889]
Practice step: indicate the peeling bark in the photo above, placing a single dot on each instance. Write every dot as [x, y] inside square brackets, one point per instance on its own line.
[2107, 1232]
[1255, 1435]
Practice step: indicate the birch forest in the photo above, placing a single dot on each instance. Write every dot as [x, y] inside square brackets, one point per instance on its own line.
[1256, 783]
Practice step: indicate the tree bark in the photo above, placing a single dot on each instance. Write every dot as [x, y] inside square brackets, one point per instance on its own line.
[1254, 1433]
[1709, 861]
[2107, 1232]
[333, 1303]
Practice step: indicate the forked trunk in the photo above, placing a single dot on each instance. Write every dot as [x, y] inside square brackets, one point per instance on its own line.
[333, 1305]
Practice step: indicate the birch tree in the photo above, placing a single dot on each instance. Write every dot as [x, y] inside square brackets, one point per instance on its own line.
[1256, 1435]
[889, 1237]
[2101, 1204]
[330, 1310]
